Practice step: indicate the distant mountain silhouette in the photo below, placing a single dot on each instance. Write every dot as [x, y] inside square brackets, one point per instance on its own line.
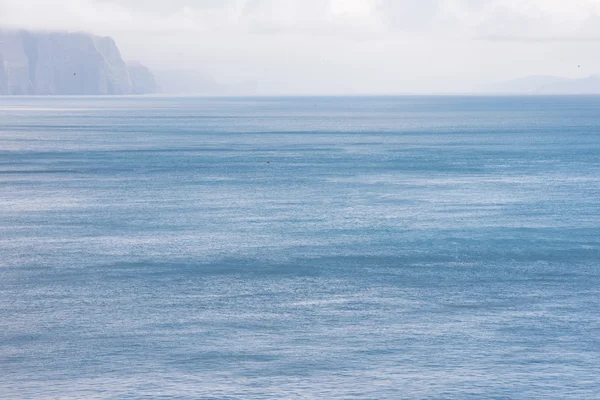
[545, 84]
[61, 63]
[193, 82]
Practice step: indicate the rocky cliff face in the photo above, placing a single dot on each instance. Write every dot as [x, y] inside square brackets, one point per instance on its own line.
[3, 77]
[66, 64]
[16, 63]
[142, 79]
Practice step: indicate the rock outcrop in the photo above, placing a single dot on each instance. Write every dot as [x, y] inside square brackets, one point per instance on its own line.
[57, 63]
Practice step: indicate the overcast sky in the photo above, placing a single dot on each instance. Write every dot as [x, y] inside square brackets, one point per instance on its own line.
[339, 46]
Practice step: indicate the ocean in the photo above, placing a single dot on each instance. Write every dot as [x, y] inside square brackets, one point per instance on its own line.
[300, 248]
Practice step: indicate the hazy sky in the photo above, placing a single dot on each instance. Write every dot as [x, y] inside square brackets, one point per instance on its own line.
[339, 46]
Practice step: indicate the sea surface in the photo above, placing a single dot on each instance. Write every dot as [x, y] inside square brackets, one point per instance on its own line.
[300, 248]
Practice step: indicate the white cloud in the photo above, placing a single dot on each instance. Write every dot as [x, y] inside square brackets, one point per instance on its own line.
[423, 16]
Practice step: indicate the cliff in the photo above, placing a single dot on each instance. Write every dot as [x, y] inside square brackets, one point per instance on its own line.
[3, 77]
[142, 79]
[37, 63]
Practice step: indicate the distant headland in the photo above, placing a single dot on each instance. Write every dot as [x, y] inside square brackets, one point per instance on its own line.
[64, 63]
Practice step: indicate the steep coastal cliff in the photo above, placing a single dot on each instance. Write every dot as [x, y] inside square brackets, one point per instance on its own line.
[57, 63]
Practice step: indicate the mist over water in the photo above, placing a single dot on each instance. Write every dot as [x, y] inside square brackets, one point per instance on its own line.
[378, 247]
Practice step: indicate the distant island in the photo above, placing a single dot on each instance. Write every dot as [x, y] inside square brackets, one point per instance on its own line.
[61, 63]
[546, 85]
[192, 82]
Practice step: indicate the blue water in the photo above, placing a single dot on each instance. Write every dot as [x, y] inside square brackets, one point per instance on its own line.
[351, 248]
